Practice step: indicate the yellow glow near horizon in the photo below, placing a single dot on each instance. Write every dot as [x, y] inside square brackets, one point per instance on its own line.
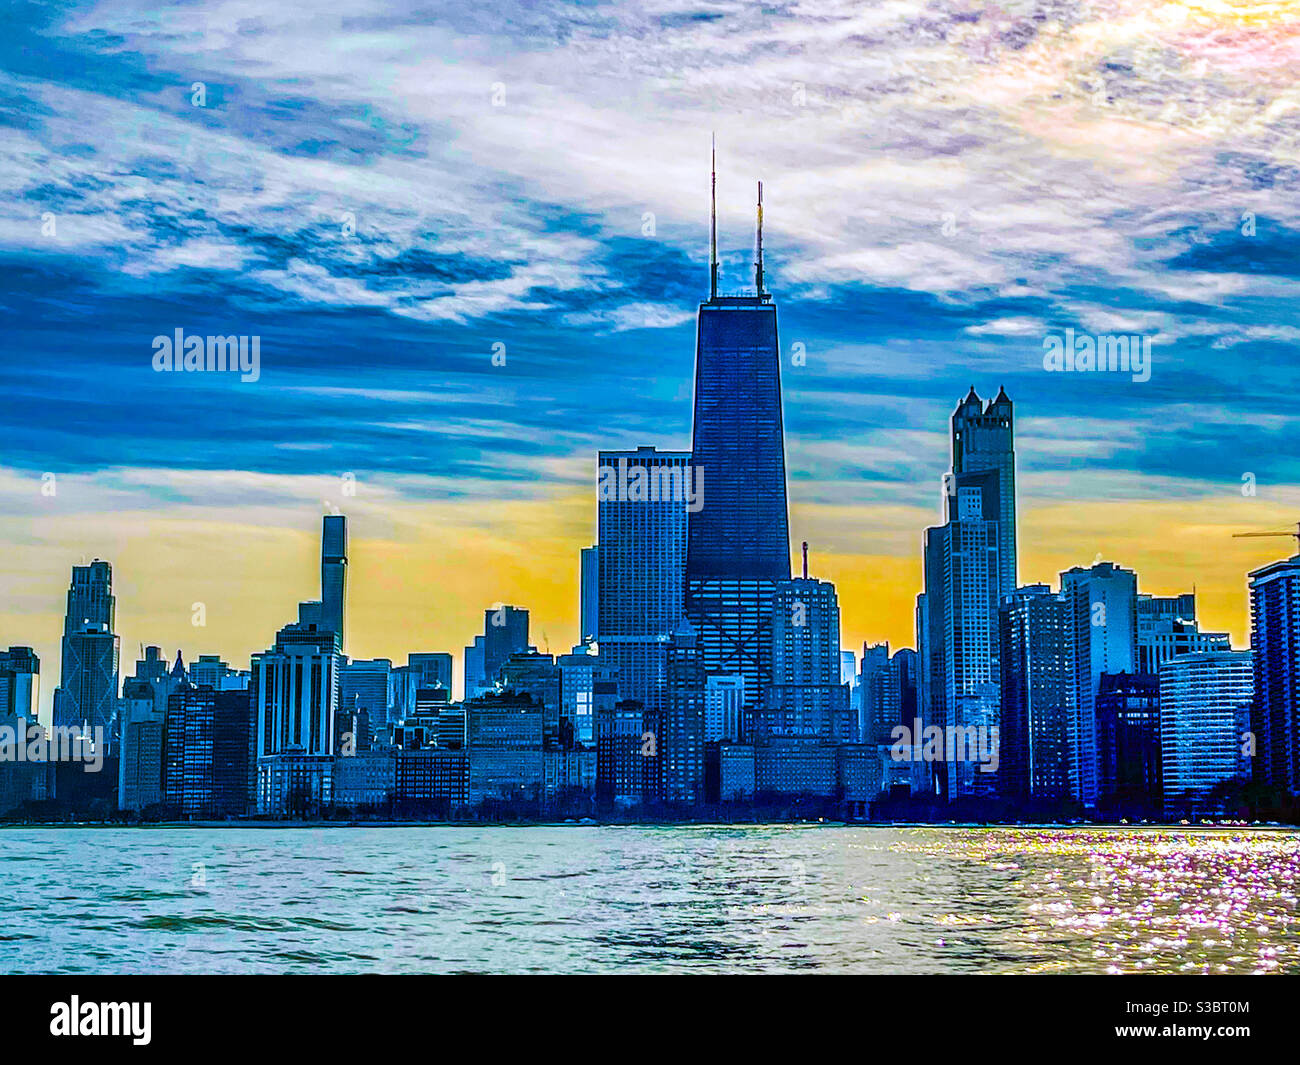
[421, 575]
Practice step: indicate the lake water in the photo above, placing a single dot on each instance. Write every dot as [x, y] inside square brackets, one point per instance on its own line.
[648, 899]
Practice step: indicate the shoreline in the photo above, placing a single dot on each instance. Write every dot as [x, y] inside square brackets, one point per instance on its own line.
[1270, 826]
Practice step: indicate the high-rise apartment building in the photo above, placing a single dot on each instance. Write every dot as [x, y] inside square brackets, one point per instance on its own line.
[1275, 642]
[640, 556]
[1037, 679]
[1205, 712]
[20, 683]
[1102, 601]
[1128, 744]
[958, 636]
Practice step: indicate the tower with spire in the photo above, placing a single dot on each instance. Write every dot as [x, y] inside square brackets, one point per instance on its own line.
[738, 542]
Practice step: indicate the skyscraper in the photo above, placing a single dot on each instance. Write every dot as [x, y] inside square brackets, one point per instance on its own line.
[295, 692]
[88, 683]
[1128, 744]
[1205, 702]
[1034, 624]
[680, 740]
[505, 633]
[1166, 626]
[431, 668]
[1103, 639]
[589, 594]
[641, 558]
[958, 636]
[367, 685]
[724, 708]
[20, 683]
[208, 761]
[983, 438]
[738, 541]
[142, 717]
[1275, 641]
[806, 697]
[333, 572]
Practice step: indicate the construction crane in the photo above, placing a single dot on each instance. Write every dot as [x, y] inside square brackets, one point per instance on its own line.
[1295, 535]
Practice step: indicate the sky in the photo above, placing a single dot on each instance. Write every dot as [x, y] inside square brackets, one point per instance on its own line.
[390, 194]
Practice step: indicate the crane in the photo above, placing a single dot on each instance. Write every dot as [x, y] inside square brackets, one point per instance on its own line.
[1295, 534]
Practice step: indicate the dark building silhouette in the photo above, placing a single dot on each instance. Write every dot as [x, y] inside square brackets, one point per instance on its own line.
[505, 632]
[1034, 633]
[1275, 641]
[209, 755]
[626, 765]
[1128, 744]
[333, 572]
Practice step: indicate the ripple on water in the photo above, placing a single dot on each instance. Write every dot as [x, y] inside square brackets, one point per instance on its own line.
[747, 899]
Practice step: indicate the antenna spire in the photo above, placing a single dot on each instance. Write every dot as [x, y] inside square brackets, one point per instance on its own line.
[758, 263]
[713, 224]
[805, 560]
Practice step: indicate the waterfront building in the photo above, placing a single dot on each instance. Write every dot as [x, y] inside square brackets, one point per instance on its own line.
[1102, 601]
[1036, 692]
[1275, 642]
[1205, 712]
[1128, 744]
[624, 754]
[503, 739]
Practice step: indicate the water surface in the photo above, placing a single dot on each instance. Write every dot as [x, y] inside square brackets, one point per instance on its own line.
[771, 899]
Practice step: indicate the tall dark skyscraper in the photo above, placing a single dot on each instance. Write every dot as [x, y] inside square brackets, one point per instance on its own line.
[589, 593]
[1037, 678]
[1275, 641]
[738, 542]
[983, 438]
[333, 572]
[87, 693]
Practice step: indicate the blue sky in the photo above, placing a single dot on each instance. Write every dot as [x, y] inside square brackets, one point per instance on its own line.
[383, 192]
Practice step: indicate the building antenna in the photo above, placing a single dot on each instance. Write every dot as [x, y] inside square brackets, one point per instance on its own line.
[713, 224]
[805, 560]
[758, 263]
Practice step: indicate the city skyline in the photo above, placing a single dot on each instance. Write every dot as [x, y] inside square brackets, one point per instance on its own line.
[379, 308]
[199, 645]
